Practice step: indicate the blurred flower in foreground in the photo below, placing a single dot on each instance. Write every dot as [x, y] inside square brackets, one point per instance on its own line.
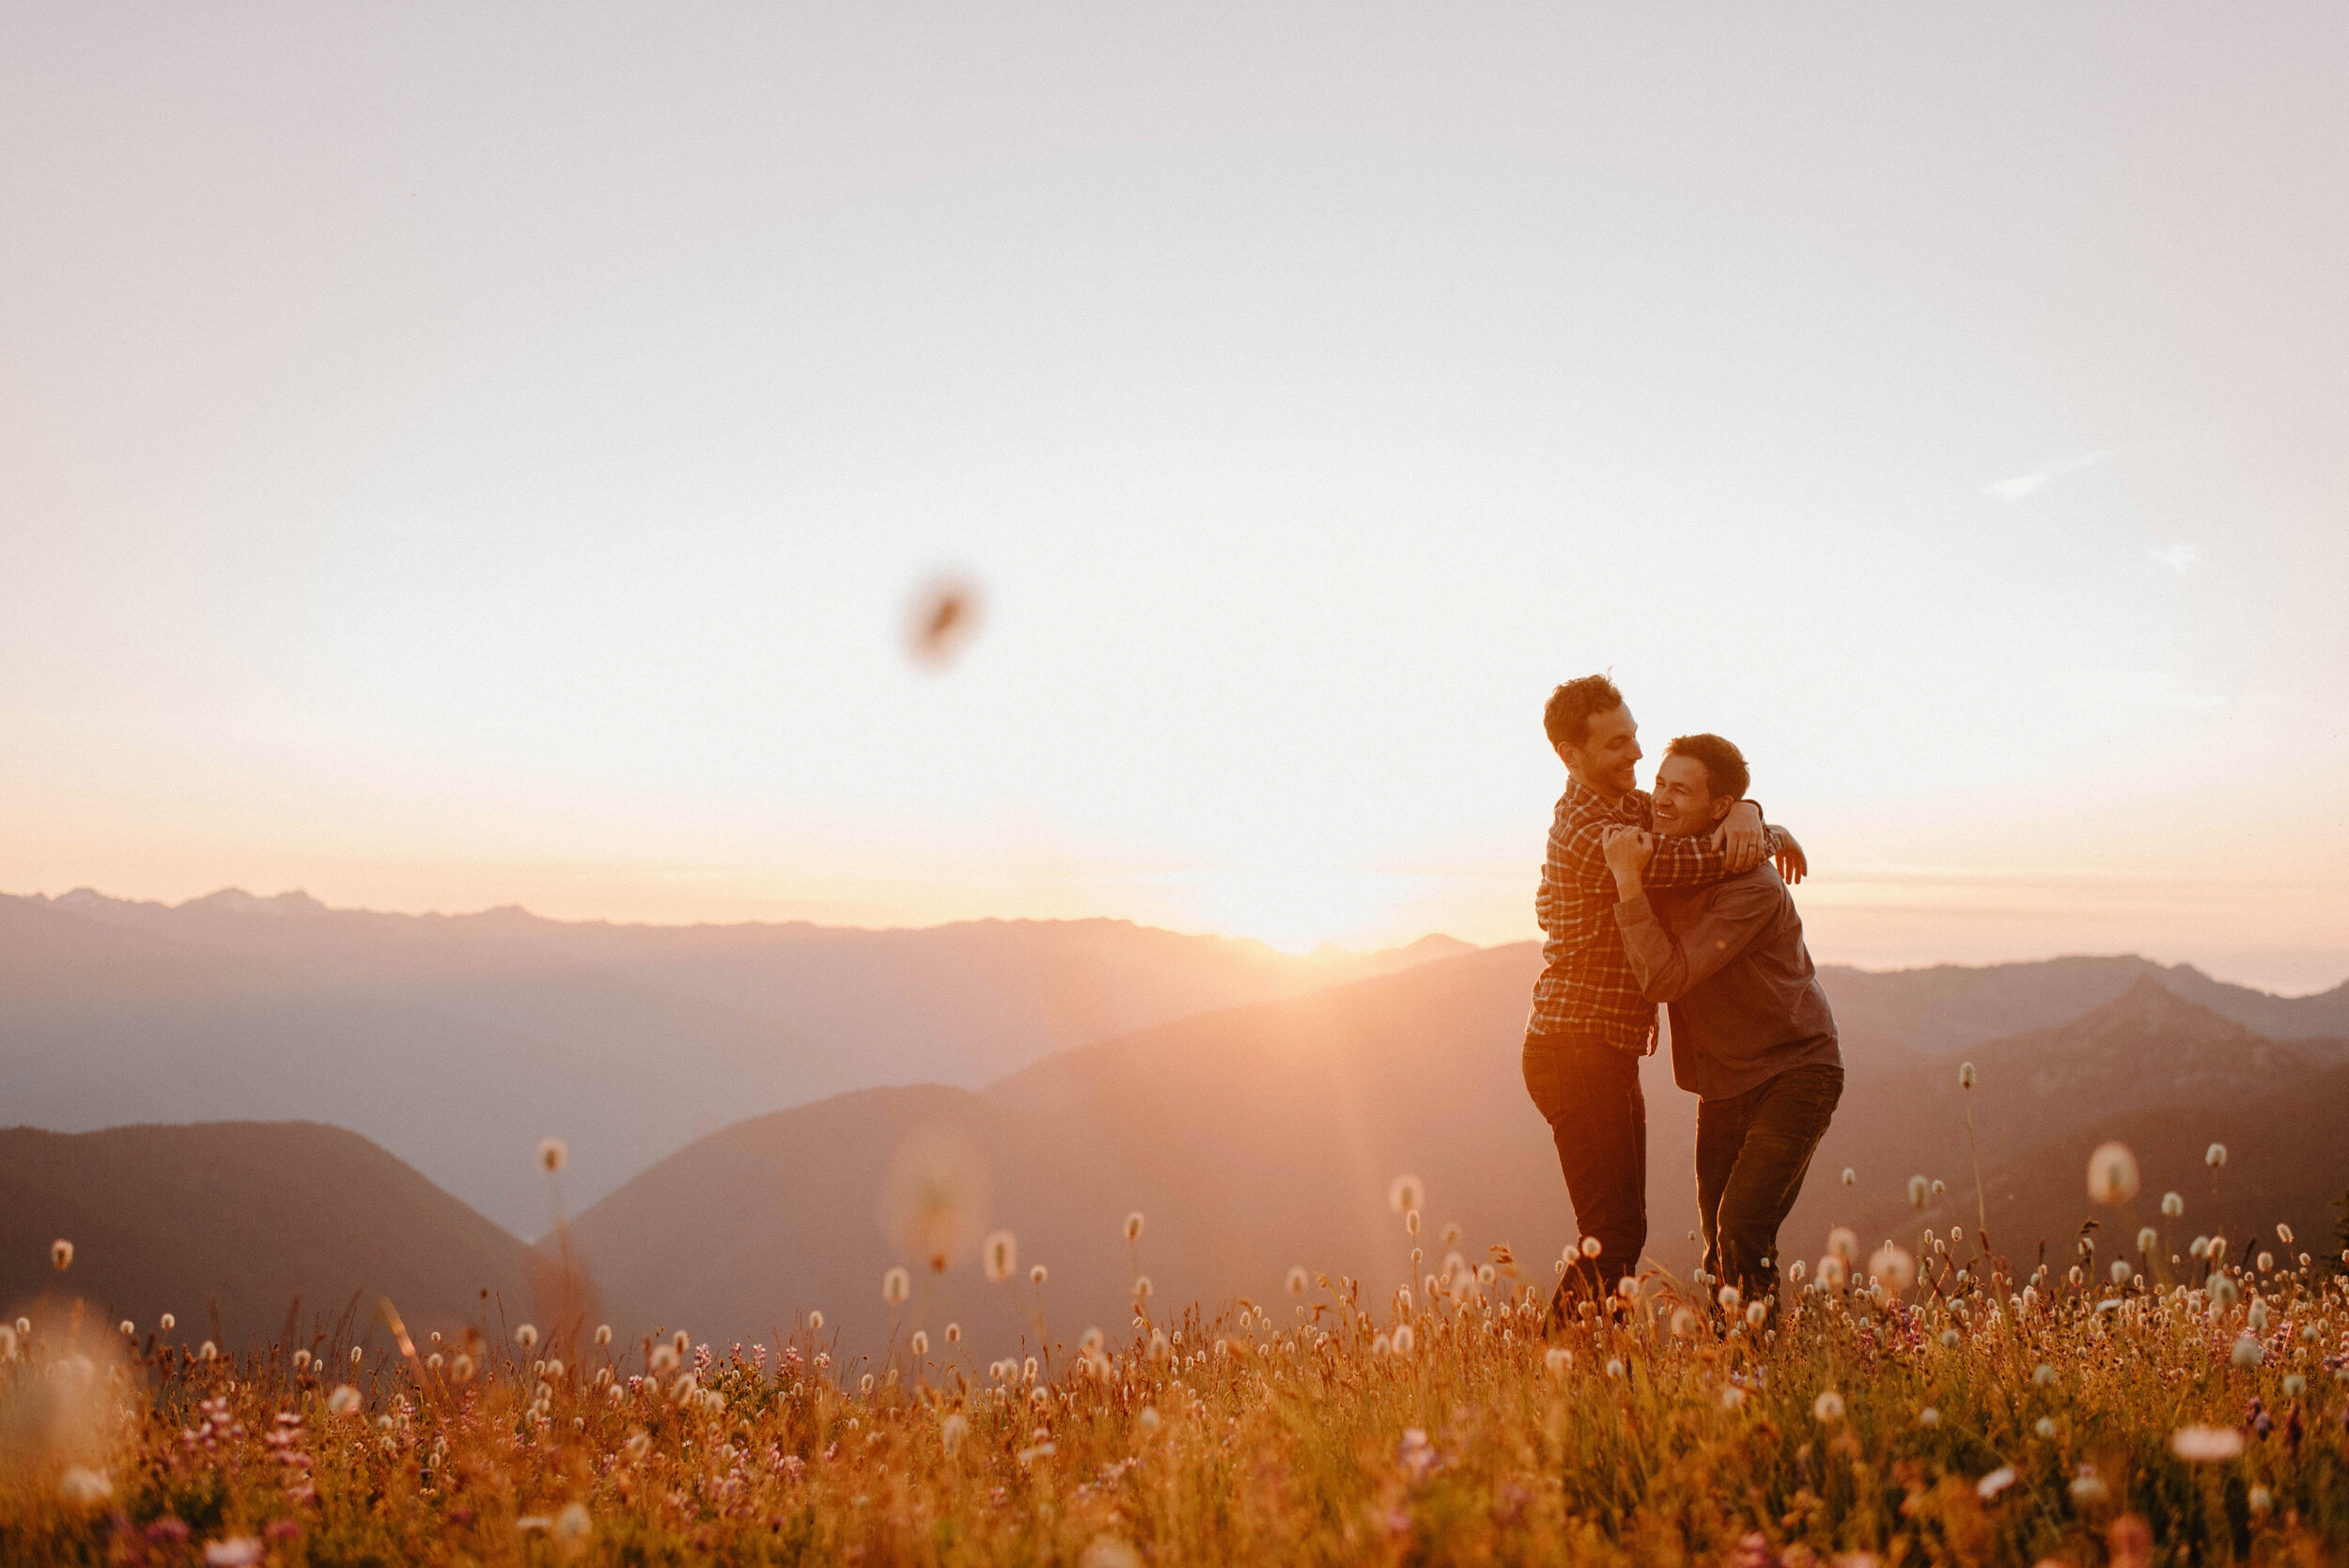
[2206, 1444]
[1892, 1267]
[2172, 1205]
[999, 1256]
[1405, 1193]
[551, 1154]
[2215, 1155]
[941, 620]
[1828, 1408]
[61, 1254]
[897, 1284]
[2112, 1178]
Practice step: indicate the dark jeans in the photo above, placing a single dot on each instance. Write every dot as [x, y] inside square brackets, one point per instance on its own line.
[1589, 1093]
[1752, 1152]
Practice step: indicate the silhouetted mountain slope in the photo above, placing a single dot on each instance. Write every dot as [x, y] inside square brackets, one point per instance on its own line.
[459, 1041]
[1263, 1136]
[2177, 1073]
[243, 1218]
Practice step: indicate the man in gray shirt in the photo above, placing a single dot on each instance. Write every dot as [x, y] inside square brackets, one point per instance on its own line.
[1752, 1034]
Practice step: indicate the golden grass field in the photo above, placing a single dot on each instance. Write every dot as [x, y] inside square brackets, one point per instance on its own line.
[1920, 1406]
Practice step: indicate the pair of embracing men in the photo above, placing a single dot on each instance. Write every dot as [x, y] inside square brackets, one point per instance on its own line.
[1678, 896]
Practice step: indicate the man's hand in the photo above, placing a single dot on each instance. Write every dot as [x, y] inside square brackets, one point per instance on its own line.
[1792, 864]
[1739, 837]
[1628, 850]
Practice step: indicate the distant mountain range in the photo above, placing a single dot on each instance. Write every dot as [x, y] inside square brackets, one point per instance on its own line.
[1251, 1134]
[458, 1042]
[1266, 1136]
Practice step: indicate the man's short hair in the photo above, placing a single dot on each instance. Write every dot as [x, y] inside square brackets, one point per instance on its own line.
[1566, 716]
[1724, 764]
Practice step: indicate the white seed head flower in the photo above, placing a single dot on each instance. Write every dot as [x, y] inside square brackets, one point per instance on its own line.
[61, 1254]
[1832, 1272]
[358, 1353]
[1410, 1222]
[952, 1430]
[1733, 1397]
[343, 1401]
[1037, 1275]
[2248, 1352]
[1403, 1339]
[1843, 1242]
[1591, 1247]
[1828, 1408]
[573, 1526]
[2172, 1205]
[551, 1154]
[1966, 1075]
[129, 1328]
[1614, 1366]
[1994, 1482]
[2283, 1232]
[1143, 1287]
[2147, 1240]
[1729, 1297]
[83, 1487]
[815, 1322]
[1133, 1226]
[1928, 1417]
[2045, 1426]
[1557, 1359]
[1757, 1313]
[603, 1333]
[1797, 1270]
[2112, 1177]
[1919, 1192]
[2266, 1262]
[462, 1368]
[897, 1285]
[167, 1323]
[2294, 1386]
[527, 1336]
[664, 1356]
[1297, 1281]
[2042, 1374]
[2207, 1445]
[953, 1333]
[1850, 1176]
[2215, 1155]
[921, 1343]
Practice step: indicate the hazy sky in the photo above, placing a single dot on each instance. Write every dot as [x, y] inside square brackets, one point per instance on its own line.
[454, 456]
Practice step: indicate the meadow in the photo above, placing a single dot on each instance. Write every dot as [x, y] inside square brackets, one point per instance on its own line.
[2180, 1402]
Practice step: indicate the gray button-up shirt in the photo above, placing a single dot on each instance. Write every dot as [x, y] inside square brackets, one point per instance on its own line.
[1729, 958]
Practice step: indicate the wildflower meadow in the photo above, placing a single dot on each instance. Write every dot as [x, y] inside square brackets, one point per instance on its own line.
[1914, 1401]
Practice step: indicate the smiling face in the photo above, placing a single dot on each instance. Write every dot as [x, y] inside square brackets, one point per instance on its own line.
[1608, 755]
[1685, 801]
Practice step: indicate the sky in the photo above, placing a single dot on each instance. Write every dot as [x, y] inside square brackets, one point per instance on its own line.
[455, 456]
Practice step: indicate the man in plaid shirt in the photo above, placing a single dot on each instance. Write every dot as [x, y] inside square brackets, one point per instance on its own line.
[1590, 1025]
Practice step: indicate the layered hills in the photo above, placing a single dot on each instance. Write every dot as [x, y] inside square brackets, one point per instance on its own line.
[458, 1042]
[241, 1229]
[1261, 1137]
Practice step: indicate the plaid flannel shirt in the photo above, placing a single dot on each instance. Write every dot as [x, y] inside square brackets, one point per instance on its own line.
[1587, 988]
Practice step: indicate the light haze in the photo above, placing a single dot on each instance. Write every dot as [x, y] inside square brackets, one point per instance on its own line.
[453, 458]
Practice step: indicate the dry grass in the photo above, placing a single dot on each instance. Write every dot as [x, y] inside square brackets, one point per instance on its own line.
[1294, 1434]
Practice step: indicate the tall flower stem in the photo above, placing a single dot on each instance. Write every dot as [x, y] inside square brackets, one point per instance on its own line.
[1982, 1208]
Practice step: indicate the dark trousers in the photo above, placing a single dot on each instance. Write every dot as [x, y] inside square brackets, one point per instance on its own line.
[1753, 1153]
[1589, 1093]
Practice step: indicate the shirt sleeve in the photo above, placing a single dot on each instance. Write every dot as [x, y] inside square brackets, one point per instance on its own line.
[1689, 862]
[1667, 962]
